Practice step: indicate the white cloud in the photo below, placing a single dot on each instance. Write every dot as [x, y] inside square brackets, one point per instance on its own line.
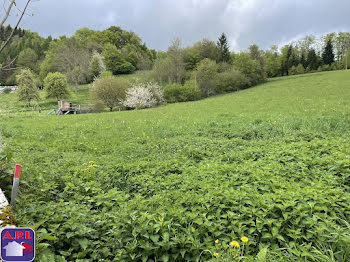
[264, 22]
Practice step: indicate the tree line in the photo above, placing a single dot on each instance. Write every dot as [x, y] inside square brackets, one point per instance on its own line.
[80, 57]
[308, 54]
[185, 73]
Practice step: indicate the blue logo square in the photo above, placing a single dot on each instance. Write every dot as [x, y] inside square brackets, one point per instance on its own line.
[17, 244]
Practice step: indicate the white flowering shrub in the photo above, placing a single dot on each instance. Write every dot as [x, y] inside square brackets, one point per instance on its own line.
[143, 95]
[101, 62]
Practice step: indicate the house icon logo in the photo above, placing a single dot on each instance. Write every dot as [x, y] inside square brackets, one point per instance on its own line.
[17, 244]
[13, 249]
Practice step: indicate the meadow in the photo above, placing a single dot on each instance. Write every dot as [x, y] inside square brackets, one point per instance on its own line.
[182, 181]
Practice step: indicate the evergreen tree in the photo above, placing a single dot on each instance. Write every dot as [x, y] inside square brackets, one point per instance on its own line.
[286, 61]
[303, 60]
[328, 55]
[294, 59]
[312, 59]
[223, 47]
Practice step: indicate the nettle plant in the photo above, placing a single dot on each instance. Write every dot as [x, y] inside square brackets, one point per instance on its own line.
[143, 95]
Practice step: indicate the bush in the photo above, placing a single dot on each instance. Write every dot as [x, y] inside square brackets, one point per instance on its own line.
[106, 74]
[326, 68]
[223, 67]
[125, 68]
[109, 90]
[230, 81]
[309, 70]
[98, 106]
[11, 80]
[297, 70]
[56, 86]
[173, 93]
[7, 90]
[292, 71]
[337, 66]
[38, 83]
[181, 93]
[144, 95]
[300, 69]
[193, 92]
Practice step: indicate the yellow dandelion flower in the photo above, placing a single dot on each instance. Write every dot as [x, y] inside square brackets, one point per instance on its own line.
[244, 239]
[91, 162]
[94, 165]
[217, 241]
[234, 244]
[84, 164]
[216, 254]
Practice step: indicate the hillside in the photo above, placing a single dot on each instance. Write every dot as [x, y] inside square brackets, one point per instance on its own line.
[270, 163]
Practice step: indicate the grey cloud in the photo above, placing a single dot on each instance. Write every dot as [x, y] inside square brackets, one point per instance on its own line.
[264, 22]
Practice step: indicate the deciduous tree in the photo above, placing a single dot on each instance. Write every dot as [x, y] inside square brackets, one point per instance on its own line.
[28, 58]
[176, 57]
[56, 86]
[109, 90]
[27, 90]
[207, 49]
[206, 75]
[250, 68]
[114, 60]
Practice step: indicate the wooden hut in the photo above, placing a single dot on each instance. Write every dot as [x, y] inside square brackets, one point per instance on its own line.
[65, 108]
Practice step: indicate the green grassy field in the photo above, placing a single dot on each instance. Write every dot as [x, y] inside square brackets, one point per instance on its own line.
[9, 103]
[271, 163]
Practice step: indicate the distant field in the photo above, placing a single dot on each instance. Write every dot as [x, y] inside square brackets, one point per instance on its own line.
[271, 163]
[79, 95]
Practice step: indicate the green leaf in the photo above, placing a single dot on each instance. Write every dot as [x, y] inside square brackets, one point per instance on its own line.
[83, 243]
[198, 221]
[261, 256]
[266, 236]
[280, 237]
[47, 237]
[183, 252]
[144, 258]
[274, 231]
[70, 234]
[165, 258]
[155, 238]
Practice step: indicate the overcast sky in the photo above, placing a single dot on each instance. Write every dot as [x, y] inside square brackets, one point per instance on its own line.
[263, 22]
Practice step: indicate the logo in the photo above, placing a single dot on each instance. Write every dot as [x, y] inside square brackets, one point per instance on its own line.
[17, 244]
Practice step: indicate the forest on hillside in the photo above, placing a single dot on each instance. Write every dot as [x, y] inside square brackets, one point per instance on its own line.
[87, 53]
[122, 51]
